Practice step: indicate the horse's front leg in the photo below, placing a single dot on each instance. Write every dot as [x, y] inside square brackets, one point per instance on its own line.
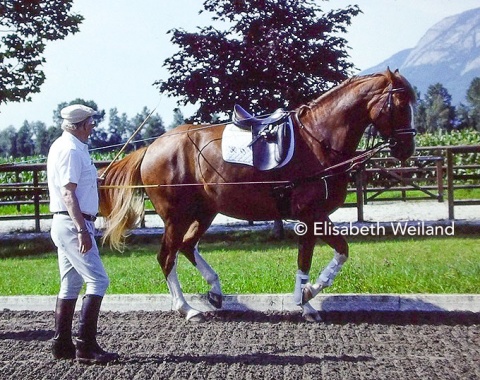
[167, 258]
[191, 252]
[306, 244]
[328, 274]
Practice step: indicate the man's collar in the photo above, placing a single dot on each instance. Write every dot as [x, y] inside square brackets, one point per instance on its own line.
[75, 140]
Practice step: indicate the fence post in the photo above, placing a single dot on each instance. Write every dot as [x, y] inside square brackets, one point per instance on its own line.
[451, 195]
[439, 164]
[36, 200]
[359, 191]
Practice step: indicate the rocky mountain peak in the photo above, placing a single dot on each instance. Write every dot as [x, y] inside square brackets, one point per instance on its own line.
[448, 53]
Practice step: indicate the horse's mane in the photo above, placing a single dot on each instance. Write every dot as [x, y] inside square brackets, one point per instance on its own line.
[335, 92]
[340, 87]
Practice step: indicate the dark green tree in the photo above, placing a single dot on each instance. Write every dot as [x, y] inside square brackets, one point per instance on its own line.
[420, 114]
[41, 138]
[24, 144]
[462, 117]
[26, 26]
[178, 118]
[473, 99]
[8, 142]
[117, 127]
[275, 53]
[152, 128]
[53, 133]
[440, 113]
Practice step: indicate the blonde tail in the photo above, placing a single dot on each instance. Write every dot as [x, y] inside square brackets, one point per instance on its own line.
[121, 203]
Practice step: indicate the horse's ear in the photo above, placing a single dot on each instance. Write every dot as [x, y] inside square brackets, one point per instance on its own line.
[389, 74]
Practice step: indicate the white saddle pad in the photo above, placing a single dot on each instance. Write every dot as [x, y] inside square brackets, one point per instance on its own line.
[235, 147]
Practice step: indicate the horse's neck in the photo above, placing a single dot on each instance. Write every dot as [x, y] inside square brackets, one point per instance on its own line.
[334, 125]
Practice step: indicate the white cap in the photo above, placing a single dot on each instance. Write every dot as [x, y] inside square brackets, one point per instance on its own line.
[75, 113]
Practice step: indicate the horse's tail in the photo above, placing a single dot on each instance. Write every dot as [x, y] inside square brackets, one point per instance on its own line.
[121, 198]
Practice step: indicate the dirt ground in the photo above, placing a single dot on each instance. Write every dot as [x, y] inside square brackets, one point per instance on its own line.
[253, 345]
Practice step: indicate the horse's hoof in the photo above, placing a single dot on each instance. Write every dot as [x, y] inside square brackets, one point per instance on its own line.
[215, 299]
[307, 294]
[195, 316]
[310, 314]
[312, 317]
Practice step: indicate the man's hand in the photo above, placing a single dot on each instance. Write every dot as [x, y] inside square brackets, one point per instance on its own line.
[84, 242]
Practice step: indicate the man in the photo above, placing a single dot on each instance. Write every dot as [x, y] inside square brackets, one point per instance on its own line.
[72, 184]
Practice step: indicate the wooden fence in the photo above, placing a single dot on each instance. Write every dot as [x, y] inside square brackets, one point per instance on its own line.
[462, 176]
[382, 178]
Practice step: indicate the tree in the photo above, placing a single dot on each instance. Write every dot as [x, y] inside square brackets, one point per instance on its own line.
[152, 128]
[473, 98]
[178, 119]
[8, 142]
[41, 138]
[462, 117]
[117, 126]
[25, 27]
[276, 53]
[440, 113]
[420, 114]
[25, 146]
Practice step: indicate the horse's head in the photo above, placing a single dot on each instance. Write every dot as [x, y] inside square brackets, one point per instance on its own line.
[392, 115]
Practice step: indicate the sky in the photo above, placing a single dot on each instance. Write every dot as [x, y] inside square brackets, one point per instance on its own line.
[122, 44]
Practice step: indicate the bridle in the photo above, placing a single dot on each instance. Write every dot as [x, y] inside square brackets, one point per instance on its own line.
[396, 133]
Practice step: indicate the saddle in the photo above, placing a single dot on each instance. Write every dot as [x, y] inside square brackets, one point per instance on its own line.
[272, 141]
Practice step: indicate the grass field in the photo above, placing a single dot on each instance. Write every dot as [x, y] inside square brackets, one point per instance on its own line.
[256, 263]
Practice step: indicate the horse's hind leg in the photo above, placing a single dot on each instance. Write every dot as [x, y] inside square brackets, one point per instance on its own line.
[167, 258]
[190, 250]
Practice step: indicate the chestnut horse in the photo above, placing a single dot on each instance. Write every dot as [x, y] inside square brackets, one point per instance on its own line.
[188, 182]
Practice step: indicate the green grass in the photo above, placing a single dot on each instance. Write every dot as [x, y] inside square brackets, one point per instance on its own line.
[467, 194]
[414, 194]
[254, 263]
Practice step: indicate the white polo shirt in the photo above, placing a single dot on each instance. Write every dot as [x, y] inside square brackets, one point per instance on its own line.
[69, 161]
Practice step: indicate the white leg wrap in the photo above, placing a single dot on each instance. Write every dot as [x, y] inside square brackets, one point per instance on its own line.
[208, 273]
[301, 279]
[179, 303]
[326, 277]
[175, 288]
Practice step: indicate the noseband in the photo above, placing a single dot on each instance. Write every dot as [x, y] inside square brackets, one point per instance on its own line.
[397, 133]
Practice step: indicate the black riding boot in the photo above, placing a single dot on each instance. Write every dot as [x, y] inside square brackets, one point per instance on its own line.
[62, 346]
[88, 350]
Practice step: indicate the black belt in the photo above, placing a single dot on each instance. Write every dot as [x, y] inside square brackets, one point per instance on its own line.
[88, 217]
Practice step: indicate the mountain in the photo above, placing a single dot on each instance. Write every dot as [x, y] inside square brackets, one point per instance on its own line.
[449, 53]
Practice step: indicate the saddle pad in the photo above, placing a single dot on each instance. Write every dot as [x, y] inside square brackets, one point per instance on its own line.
[235, 147]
